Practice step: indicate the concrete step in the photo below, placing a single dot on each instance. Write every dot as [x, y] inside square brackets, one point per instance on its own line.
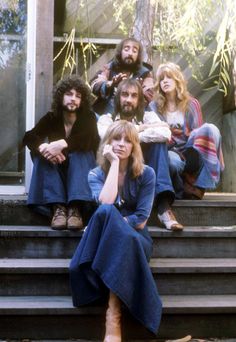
[195, 242]
[40, 277]
[192, 242]
[154, 340]
[213, 210]
[55, 318]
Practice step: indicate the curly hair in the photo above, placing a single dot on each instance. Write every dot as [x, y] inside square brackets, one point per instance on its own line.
[173, 71]
[119, 48]
[116, 129]
[68, 83]
[125, 84]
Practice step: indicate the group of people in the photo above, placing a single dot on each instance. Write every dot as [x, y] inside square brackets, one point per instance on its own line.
[153, 148]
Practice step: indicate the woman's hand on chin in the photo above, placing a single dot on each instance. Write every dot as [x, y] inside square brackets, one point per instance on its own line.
[109, 154]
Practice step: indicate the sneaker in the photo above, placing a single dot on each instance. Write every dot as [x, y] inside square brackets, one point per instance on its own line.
[74, 219]
[59, 217]
[169, 221]
[184, 339]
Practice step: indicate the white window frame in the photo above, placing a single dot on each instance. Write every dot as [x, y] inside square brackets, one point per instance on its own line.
[30, 97]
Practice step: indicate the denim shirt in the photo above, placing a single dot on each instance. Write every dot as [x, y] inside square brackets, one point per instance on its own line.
[137, 195]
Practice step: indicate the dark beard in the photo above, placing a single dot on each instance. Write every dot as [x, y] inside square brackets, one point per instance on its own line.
[127, 115]
[68, 110]
[131, 67]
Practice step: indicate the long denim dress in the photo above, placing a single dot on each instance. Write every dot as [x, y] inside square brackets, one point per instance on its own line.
[113, 255]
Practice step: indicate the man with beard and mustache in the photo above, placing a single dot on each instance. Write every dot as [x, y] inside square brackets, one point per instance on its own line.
[127, 63]
[63, 145]
[153, 134]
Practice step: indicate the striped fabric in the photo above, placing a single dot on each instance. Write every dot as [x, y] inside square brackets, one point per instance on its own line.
[193, 119]
[205, 138]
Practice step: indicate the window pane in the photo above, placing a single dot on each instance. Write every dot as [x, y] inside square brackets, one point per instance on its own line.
[13, 19]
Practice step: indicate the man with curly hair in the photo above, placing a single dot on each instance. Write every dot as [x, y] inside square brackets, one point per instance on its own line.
[127, 63]
[63, 145]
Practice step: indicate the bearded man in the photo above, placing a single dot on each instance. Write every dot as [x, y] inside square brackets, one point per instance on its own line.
[63, 145]
[127, 63]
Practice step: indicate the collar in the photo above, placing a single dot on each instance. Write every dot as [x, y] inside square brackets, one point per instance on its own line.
[134, 120]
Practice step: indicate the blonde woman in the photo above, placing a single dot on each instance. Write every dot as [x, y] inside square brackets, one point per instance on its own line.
[195, 155]
[112, 257]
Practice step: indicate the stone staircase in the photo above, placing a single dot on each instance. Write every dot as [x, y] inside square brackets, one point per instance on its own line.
[195, 272]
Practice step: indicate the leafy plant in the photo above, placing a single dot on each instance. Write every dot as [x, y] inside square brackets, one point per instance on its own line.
[226, 47]
[69, 58]
[68, 50]
[189, 27]
[13, 26]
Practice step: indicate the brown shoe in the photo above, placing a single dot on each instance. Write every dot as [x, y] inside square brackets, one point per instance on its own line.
[74, 219]
[169, 221]
[59, 217]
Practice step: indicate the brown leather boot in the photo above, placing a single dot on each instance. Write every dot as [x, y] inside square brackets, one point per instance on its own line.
[74, 219]
[113, 320]
[59, 217]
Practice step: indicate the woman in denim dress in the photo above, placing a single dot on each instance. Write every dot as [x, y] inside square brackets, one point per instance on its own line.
[113, 254]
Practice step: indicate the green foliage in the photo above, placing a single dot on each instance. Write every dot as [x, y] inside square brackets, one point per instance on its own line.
[226, 47]
[121, 9]
[68, 50]
[12, 28]
[188, 27]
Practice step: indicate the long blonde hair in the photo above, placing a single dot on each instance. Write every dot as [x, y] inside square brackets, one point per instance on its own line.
[136, 158]
[173, 71]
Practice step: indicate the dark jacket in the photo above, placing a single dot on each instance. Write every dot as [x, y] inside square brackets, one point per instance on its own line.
[105, 96]
[83, 137]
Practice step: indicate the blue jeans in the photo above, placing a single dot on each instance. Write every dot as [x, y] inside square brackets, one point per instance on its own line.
[61, 183]
[156, 156]
[176, 165]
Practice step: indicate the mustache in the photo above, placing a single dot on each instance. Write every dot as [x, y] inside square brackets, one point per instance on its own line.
[129, 58]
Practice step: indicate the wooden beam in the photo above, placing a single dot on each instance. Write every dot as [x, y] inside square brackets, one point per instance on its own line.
[101, 41]
[234, 77]
[11, 37]
[44, 57]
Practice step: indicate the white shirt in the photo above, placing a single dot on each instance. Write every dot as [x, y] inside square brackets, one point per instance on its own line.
[150, 134]
[175, 119]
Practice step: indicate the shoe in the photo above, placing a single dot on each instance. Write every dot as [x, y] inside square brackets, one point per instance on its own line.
[190, 190]
[113, 320]
[59, 219]
[184, 339]
[74, 219]
[169, 221]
